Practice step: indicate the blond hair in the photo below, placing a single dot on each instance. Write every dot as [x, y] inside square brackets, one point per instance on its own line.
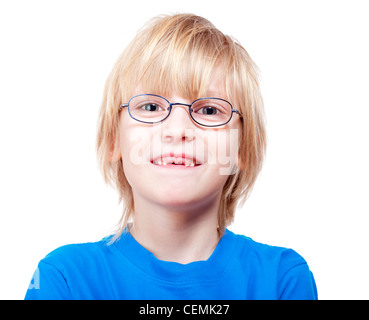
[179, 53]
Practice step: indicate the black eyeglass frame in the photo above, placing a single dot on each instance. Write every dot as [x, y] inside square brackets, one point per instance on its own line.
[126, 105]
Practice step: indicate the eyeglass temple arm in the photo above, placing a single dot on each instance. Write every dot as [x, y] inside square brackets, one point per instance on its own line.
[123, 105]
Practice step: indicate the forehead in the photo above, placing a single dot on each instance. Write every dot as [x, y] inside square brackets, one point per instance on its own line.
[190, 88]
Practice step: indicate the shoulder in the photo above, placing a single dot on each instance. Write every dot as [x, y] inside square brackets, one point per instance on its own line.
[282, 266]
[67, 271]
[77, 254]
[266, 252]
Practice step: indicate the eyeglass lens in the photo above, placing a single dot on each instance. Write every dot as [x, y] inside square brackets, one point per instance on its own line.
[208, 112]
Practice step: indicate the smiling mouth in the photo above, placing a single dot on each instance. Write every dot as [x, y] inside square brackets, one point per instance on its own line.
[175, 161]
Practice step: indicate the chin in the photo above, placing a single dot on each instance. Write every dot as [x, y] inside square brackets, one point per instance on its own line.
[183, 202]
[177, 202]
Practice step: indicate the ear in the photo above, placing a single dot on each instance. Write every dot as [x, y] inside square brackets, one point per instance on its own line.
[115, 153]
[114, 156]
[240, 163]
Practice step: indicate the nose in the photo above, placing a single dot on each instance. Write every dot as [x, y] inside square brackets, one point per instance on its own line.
[178, 126]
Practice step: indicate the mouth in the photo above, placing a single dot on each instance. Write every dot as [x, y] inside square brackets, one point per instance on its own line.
[179, 161]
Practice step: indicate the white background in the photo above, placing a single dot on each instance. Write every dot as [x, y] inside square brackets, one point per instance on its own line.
[312, 194]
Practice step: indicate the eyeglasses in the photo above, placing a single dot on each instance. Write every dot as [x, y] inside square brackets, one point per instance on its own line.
[207, 112]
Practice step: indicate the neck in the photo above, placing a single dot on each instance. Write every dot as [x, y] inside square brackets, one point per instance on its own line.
[182, 236]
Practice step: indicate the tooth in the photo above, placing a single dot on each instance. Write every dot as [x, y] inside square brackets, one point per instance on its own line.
[192, 164]
[165, 161]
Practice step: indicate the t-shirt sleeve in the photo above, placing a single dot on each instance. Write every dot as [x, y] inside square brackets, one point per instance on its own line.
[297, 281]
[48, 283]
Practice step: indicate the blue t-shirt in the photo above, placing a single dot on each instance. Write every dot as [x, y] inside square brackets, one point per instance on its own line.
[239, 268]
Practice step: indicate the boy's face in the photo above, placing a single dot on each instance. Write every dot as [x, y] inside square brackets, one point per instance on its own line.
[204, 156]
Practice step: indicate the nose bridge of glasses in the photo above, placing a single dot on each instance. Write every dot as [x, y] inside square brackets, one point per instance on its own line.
[180, 104]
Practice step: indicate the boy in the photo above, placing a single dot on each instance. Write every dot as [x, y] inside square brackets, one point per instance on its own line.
[181, 134]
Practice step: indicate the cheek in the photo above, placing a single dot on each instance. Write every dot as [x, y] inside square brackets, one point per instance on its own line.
[132, 137]
[132, 143]
[223, 147]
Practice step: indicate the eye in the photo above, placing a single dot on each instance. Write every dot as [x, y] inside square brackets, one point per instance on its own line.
[151, 107]
[210, 107]
[208, 110]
